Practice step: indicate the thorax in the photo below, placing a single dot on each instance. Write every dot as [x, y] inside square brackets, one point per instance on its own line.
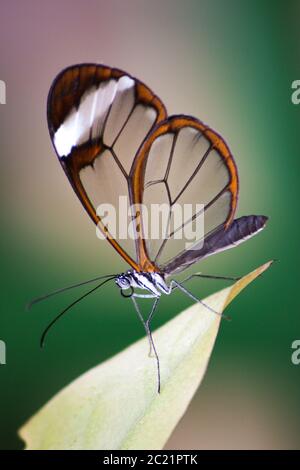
[153, 282]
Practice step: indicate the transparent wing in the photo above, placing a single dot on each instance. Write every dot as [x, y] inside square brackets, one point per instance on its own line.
[187, 170]
[98, 117]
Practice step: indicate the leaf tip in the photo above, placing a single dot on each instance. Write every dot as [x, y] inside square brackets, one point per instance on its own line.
[245, 280]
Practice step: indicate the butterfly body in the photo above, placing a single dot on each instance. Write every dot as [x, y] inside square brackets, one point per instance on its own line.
[153, 282]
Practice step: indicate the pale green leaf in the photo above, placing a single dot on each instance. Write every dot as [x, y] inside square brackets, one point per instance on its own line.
[116, 405]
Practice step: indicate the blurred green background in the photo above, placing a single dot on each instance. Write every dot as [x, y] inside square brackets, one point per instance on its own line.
[231, 64]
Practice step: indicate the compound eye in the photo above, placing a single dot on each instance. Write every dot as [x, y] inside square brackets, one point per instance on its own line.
[126, 283]
[123, 282]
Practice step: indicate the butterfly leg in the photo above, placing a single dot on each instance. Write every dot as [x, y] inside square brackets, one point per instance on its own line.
[143, 296]
[208, 276]
[149, 333]
[189, 294]
[147, 322]
[152, 345]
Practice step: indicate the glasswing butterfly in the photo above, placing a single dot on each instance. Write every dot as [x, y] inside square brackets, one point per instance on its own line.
[113, 137]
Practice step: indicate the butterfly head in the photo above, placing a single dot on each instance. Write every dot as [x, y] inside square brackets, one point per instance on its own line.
[123, 281]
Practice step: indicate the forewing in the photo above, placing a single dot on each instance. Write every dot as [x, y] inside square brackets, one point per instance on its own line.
[98, 118]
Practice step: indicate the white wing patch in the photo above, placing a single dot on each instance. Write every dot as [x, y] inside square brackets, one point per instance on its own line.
[65, 136]
[88, 120]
